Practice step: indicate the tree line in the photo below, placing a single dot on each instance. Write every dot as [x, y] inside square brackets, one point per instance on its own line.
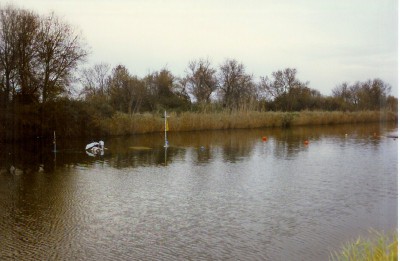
[40, 57]
[228, 87]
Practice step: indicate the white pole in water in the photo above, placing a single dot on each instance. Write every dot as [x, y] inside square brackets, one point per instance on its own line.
[165, 130]
[54, 142]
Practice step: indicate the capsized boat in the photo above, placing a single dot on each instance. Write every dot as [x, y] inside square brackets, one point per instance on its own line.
[95, 148]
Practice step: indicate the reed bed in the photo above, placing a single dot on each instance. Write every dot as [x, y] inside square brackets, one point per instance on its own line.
[125, 124]
[381, 247]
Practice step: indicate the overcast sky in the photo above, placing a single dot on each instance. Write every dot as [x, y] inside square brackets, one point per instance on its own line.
[328, 42]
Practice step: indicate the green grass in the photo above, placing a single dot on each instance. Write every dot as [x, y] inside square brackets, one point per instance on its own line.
[377, 247]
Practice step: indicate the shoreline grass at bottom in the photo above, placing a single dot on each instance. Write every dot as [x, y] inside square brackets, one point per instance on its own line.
[376, 247]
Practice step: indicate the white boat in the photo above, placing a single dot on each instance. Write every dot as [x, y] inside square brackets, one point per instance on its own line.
[95, 148]
[91, 145]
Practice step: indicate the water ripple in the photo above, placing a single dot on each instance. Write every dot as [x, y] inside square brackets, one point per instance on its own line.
[257, 201]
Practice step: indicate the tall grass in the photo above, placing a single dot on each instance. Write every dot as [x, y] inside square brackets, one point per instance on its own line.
[380, 248]
[124, 124]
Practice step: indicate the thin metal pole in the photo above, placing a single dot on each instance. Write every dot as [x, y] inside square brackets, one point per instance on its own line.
[165, 130]
[55, 149]
[54, 142]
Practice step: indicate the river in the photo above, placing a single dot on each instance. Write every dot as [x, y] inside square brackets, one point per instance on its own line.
[212, 195]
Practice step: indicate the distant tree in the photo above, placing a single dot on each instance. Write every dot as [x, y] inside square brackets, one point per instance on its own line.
[263, 89]
[392, 103]
[165, 92]
[127, 92]
[343, 95]
[236, 87]
[160, 88]
[330, 103]
[284, 88]
[164, 82]
[181, 89]
[304, 98]
[355, 90]
[139, 92]
[95, 90]
[121, 89]
[374, 93]
[368, 95]
[201, 80]
[95, 80]
[283, 81]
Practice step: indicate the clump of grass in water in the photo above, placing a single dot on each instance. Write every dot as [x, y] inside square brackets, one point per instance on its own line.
[382, 247]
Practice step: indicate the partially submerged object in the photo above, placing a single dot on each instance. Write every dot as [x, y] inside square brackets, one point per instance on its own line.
[95, 148]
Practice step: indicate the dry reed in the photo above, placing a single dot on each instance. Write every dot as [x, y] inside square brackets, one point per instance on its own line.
[124, 124]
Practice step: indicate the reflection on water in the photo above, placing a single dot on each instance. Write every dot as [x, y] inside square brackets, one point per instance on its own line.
[148, 150]
[211, 195]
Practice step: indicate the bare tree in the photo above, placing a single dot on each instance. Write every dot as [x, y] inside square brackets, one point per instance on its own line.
[343, 95]
[371, 94]
[181, 88]
[284, 88]
[95, 80]
[26, 43]
[59, 51]
[8, 53]
[282, 82]
[236, 87]
[201, 80]
[263, 89]
[342, 91]
[368, 95]
[38, 55]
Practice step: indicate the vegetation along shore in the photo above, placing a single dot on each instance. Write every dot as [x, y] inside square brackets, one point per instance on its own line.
[376, 247]
[125, 124]
[45, 86]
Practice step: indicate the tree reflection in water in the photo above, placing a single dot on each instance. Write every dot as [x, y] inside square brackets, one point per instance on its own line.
[147, 149]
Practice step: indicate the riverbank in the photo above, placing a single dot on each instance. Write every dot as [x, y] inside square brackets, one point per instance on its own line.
[125, 124]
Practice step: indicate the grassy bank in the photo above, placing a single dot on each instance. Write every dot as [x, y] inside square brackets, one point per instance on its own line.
[124, 124]
[379, 247]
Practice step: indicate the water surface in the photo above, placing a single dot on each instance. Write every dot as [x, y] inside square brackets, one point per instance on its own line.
[217, 195]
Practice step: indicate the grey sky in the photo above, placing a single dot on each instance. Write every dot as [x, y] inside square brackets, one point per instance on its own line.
[328, 42]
